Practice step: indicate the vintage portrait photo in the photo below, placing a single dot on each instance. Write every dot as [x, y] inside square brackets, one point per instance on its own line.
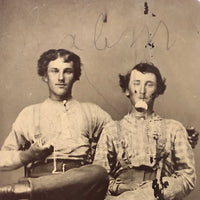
[99, 99]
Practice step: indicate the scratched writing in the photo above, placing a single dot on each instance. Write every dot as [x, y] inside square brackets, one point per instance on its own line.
[102, 42]
[150, 37]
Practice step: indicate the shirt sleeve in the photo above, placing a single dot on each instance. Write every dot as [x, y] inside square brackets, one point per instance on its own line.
[183, 180]
[96, 120]
[106, 155]
[9, 160]
[14, 143]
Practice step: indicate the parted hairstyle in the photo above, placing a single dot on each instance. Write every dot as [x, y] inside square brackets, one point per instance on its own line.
[144, 68]
[53, 54]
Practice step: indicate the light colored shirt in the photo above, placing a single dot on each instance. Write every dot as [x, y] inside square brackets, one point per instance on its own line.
[132, 143]
[71, 128]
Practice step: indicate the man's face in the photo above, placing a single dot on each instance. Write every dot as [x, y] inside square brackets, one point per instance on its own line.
[142, 87]
[59, 79]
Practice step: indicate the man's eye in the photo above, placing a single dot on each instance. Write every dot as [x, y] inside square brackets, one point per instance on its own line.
[149, 84]
[68, 71]
[136, 83]
[54, 70]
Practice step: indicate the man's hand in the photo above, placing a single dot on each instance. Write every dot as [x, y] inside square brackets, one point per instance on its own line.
[193, 136]
[123, 188]
[37, 151]
[116, 187]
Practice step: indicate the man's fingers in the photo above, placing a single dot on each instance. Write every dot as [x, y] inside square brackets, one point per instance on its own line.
[194, 137]
[39, 147]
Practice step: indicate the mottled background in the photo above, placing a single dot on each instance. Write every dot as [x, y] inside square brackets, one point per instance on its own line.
[110, 36]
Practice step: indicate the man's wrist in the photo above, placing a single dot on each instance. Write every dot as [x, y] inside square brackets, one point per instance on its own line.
[113, 186]
[26, 156]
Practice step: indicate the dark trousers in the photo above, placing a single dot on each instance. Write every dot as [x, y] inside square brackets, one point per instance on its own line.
[88, 182]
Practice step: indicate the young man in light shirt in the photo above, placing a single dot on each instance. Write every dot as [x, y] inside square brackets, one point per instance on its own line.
[56, 139]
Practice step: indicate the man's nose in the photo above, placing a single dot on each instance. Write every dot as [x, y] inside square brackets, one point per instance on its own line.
[142, 89]
[60, 76]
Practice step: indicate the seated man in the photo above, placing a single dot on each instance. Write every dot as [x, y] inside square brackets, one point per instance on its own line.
[55, 138]
[146, 156]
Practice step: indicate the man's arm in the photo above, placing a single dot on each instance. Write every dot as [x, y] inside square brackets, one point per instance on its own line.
[183, 180]
[12, 158]
[193, 136]
[10, 151]
[105, 149]
[106, 156]
[96, 119]
[18, 148]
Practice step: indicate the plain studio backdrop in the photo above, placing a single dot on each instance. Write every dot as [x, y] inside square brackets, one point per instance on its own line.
[110, 37]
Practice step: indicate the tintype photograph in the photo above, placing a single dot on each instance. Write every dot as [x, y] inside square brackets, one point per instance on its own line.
[99, 99]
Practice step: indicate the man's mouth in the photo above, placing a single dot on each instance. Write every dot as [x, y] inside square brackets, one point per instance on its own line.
[141, 106]
[142, 97]
[61, 85]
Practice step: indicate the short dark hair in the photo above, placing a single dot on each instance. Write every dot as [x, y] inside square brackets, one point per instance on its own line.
[53, 54]
[144, 68]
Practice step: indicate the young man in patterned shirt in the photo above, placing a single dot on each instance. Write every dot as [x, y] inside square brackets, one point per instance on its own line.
[146, 156]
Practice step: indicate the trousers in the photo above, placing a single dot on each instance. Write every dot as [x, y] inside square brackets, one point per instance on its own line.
[135, 184]
[144, 192]
[89, 182]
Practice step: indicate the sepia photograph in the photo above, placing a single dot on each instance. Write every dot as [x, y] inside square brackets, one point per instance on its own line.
[99, 99]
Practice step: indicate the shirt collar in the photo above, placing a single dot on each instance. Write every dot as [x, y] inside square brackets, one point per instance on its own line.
[65, 104]
[131, 117]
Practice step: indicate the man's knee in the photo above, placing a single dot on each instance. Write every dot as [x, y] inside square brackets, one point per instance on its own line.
[96, 172]
[96, 169]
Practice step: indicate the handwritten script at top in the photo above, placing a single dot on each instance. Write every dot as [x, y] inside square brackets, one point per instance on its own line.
[101, 42]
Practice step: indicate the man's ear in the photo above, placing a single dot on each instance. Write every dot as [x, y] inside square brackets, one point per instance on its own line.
[127, 93]
[155, 94]
[45, 79]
